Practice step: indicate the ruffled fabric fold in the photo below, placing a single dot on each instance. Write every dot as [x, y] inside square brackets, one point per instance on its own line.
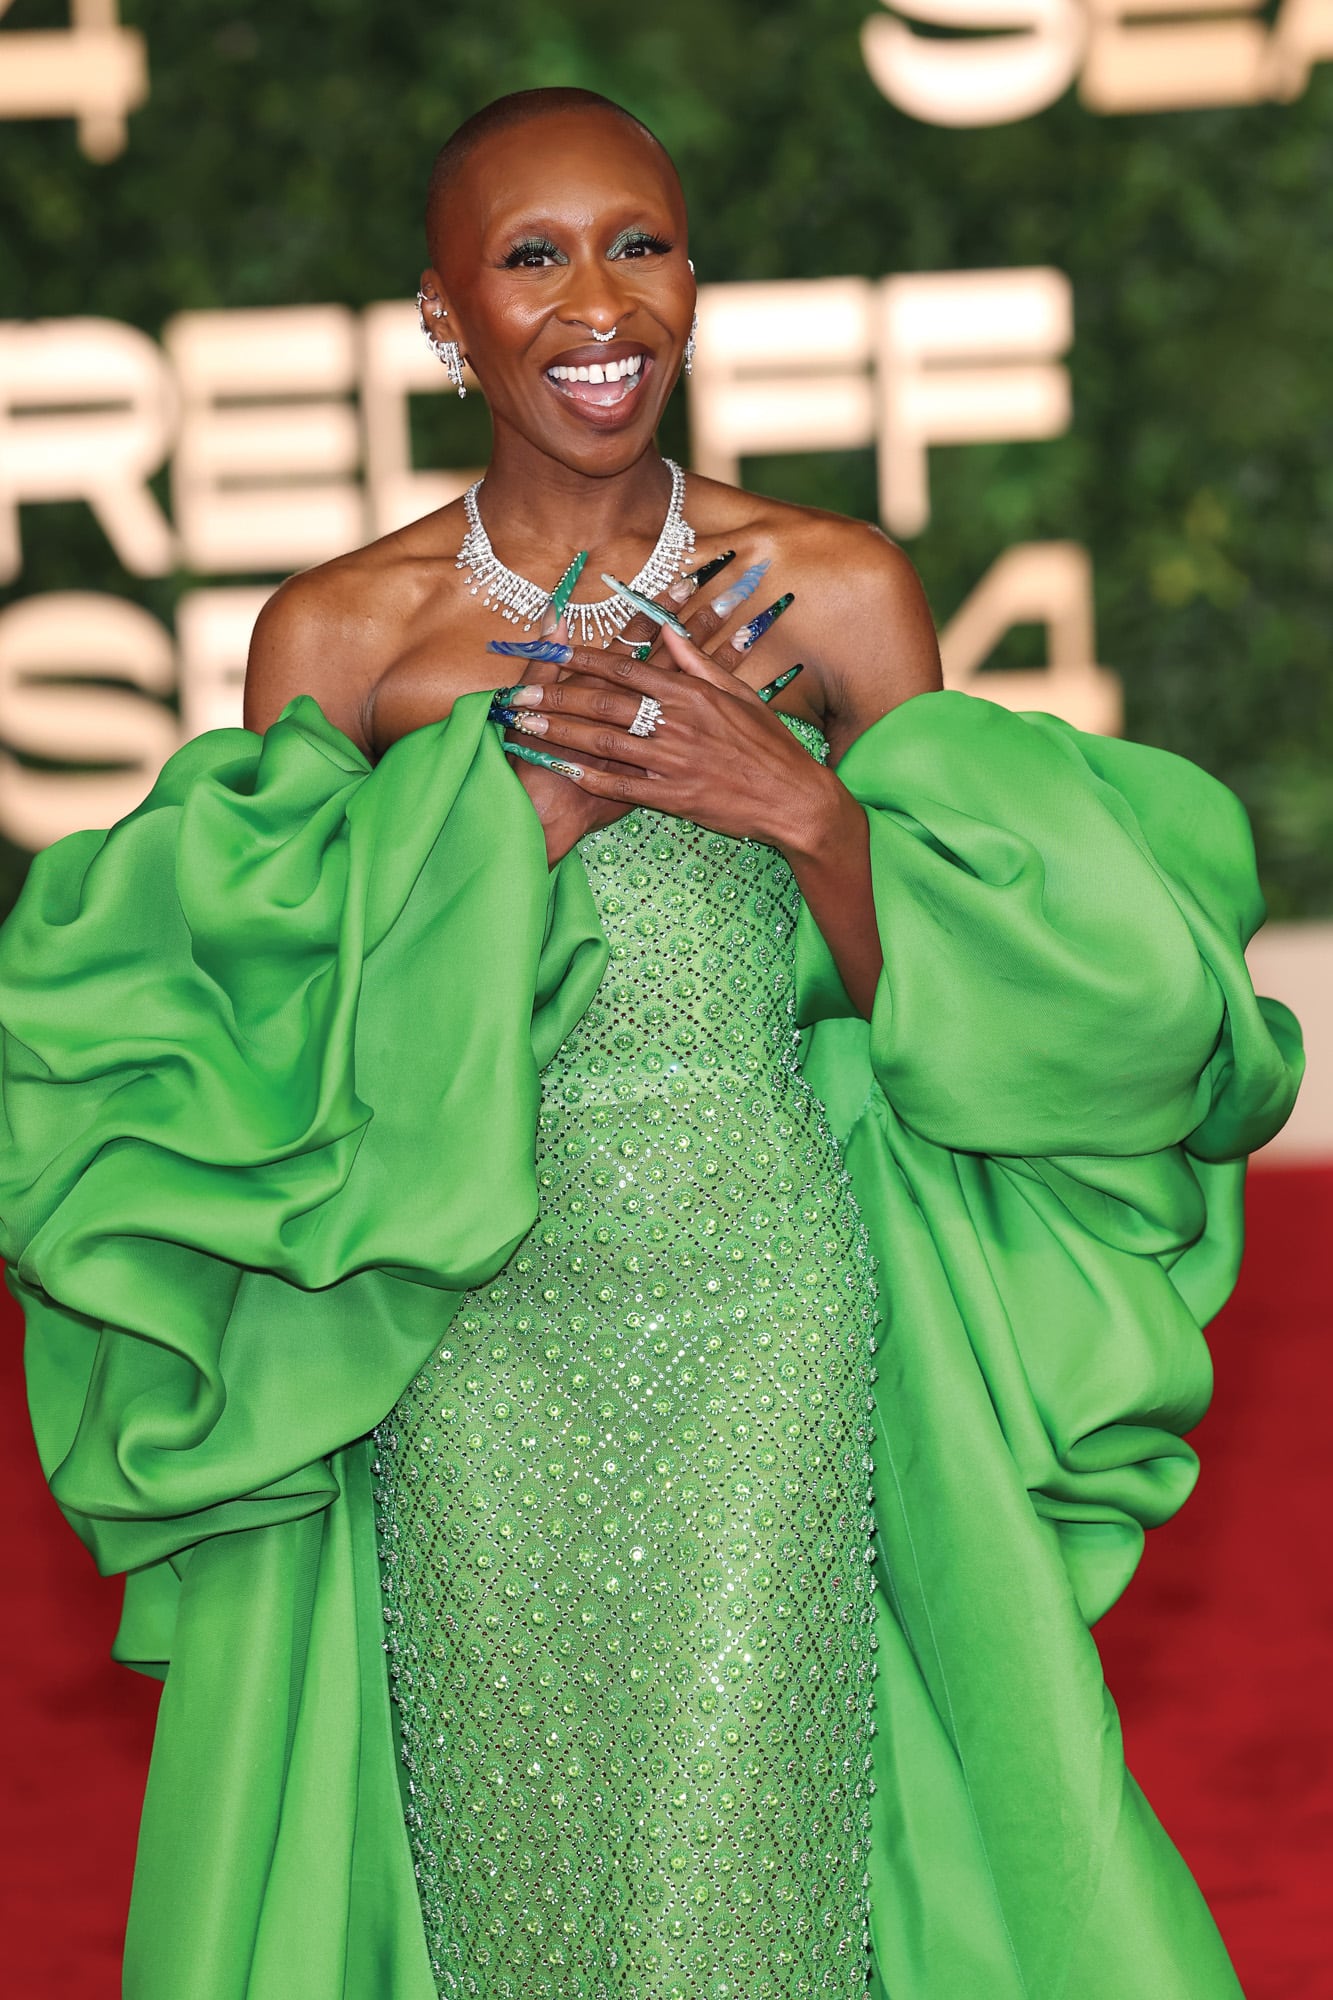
[1044, 1120]
[271, 1054]
[270, 1077]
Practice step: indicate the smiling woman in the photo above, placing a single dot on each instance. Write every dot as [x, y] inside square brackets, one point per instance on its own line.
[638, 266]
[594, 1176]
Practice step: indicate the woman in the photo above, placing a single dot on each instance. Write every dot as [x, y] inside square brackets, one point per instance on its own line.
[949, 1051]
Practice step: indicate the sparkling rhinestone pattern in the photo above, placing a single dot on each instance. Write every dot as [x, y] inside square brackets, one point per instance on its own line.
[625, 1523]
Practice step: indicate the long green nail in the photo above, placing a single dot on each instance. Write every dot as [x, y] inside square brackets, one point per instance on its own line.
[782, 681]
[564, 590]
[545, 759]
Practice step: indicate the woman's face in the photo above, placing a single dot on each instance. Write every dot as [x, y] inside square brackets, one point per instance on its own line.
[570, 224]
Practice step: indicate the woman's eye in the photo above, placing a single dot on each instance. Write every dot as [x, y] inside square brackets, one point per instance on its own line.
[532, 254]
[639, 244]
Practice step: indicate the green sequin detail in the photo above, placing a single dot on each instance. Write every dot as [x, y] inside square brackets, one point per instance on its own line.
[625, 1512]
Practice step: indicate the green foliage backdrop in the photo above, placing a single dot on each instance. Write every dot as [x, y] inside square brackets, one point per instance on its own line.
[280, 160]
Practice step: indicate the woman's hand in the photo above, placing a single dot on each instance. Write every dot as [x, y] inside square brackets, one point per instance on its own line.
[717, 756]
[566, 810]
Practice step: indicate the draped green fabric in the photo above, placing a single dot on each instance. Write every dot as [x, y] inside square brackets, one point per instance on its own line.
[270, 1075]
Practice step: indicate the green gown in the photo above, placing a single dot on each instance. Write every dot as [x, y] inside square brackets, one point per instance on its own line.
[275, 1050]
[626, 1506]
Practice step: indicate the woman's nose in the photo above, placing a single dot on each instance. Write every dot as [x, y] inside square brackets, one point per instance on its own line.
[599, 319]
[594, 300]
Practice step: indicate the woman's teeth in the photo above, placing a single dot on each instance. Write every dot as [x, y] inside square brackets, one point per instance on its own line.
[604, 371]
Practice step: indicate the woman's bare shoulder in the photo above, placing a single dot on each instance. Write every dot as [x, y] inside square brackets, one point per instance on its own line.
[333, 631]
[808, 548]
[860, 615]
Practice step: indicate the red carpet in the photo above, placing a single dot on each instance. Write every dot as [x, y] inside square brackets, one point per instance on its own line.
[1221, 1657]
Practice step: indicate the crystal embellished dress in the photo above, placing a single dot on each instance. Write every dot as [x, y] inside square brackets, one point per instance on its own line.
[624, 1510]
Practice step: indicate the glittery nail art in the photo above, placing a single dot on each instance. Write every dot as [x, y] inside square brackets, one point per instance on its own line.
[564, 590]
[546, 760]
[745, 586]
[518, 718]
[782, 681]
[746, 636]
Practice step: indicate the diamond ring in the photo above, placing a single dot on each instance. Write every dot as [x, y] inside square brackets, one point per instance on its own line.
[648, 717]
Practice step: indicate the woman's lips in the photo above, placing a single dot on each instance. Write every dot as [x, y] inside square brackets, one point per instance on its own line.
[603, 401]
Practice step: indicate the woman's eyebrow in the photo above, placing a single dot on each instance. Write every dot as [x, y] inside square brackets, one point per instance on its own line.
[534, 224]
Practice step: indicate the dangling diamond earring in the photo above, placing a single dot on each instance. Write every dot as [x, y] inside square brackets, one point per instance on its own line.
[694, 331]
[447, 351]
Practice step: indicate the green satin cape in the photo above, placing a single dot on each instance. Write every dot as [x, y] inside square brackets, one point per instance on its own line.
[270, 1075]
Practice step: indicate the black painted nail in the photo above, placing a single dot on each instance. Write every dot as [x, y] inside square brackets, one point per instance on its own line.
[683, 589]
[711, 569]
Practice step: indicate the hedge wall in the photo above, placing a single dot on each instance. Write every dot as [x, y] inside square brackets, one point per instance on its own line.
[280, 159]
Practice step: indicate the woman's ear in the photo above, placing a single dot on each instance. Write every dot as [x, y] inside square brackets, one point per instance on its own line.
[432, 304]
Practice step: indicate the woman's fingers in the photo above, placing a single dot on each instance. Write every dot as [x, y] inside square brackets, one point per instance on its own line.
[591, 738]
[678, 603]
[741, 642]
[709, 617]
[579, 766]
[659, 676]
[644, 631]
[700, 666]
[528, 706]
[701, 624]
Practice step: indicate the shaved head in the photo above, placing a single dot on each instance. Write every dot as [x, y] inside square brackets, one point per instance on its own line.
[518, 108]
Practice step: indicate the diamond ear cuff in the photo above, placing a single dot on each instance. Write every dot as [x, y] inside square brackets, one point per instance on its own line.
[446, 351]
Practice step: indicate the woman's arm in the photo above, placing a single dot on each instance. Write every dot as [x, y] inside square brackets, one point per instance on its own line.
[312, 638]
[879, 650]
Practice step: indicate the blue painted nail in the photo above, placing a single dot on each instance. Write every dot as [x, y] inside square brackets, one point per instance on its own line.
[747, 635]
[745, 586]
[532, 649]
[517, 718]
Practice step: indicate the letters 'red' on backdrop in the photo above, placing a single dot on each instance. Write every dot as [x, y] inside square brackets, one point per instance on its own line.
[1041, 285]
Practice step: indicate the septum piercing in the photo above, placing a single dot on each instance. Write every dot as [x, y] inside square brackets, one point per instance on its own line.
[602, 338]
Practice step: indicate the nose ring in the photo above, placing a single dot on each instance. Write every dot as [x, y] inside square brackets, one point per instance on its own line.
[602, 338]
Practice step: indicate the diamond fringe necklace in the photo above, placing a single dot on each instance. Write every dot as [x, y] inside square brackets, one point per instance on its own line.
[523, 602]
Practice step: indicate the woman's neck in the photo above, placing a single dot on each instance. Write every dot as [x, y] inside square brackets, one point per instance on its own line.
[538, 512]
